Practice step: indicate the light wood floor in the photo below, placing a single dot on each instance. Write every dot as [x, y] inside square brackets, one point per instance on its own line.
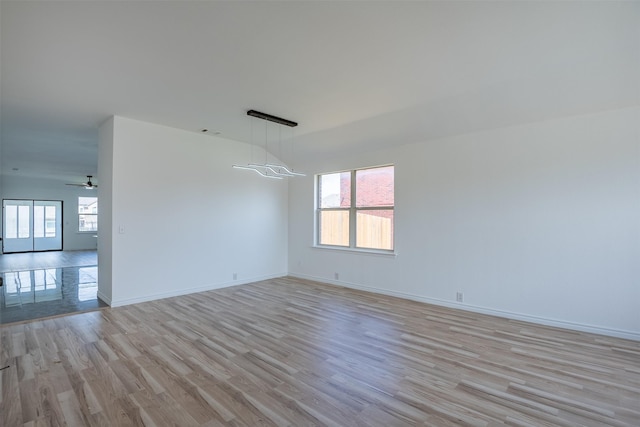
[292, 352]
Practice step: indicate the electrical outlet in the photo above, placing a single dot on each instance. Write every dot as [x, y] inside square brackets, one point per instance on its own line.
[459, 296]
[336, 276]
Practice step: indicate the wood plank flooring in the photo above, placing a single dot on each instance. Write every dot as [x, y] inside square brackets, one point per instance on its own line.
[289, 352]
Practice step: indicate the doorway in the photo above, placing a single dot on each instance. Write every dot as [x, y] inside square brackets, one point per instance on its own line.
[31, 225]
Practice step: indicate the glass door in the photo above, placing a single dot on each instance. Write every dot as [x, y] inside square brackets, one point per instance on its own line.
[17, 230]
[47, 225]
[31, 225]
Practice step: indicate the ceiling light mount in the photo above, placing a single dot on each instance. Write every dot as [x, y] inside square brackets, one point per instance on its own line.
[269, 117]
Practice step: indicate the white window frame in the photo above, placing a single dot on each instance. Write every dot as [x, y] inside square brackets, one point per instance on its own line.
[353, 212]
[87, 214]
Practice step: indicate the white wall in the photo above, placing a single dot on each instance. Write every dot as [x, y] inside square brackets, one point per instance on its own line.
[16, 187]
[189, 220]
[539, 222]
[105, 200]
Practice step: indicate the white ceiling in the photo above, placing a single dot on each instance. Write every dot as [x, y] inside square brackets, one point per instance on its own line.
[355, 75]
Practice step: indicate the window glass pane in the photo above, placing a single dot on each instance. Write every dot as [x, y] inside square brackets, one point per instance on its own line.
[88, 222]
[38, 221]
[374, 229]
[87, 214]
[334, 228]
[24, 219]
[374, 187]
[50, 221]
[11, 221]
[88, 205]
[334, 190]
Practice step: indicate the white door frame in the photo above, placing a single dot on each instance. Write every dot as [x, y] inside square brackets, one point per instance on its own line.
[21, 236]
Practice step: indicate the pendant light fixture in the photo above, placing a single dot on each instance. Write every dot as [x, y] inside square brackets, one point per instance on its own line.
[267, 169]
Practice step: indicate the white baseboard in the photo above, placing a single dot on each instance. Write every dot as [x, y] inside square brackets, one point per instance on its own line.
[483, 310]
[104, 298]
[186, 291]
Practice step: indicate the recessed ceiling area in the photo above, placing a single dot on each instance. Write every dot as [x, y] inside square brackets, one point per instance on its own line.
[354, 75]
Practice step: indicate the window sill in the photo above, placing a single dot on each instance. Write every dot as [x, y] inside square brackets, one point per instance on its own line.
[391, 254]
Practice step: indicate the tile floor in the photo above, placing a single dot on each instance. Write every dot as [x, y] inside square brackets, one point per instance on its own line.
[37, 285]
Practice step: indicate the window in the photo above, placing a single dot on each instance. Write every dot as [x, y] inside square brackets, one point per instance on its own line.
[355, 208]
[44, 221]
[88, 214]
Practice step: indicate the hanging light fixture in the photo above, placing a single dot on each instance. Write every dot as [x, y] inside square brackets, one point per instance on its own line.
[266, 169]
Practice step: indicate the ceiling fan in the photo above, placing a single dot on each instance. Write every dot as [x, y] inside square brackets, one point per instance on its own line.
[88, 185]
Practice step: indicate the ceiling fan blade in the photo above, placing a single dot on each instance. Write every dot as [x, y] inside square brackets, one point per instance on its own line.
[88, 185]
